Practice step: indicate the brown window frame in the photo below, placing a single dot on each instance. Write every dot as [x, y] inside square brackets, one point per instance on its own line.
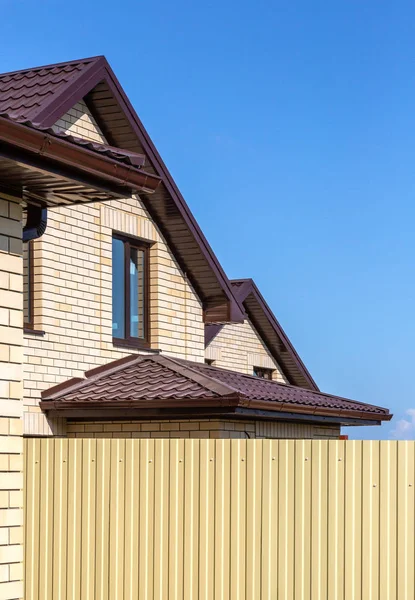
[128, 341]
[266, 372]
[29, 325]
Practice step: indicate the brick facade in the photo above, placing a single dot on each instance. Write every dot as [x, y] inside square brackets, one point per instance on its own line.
[79, 122]
[208, 428]
[11, 405]
[73, 293]
[238, 347]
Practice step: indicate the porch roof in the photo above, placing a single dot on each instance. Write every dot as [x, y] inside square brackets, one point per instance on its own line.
[153, 383]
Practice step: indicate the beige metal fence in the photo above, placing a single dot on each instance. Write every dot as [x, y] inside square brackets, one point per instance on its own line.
[205, 519]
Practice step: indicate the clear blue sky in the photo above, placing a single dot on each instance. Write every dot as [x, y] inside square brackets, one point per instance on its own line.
[290, 129]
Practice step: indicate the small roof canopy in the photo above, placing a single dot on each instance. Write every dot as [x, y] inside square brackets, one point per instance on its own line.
[147, 386]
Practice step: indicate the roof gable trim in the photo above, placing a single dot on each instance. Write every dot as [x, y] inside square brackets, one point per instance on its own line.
[79, 85]
[243, 290]
[68, 97]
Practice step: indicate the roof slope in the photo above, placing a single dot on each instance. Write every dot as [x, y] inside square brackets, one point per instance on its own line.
[25, 93]
[270, 331]
[145, 381]
[44, 94]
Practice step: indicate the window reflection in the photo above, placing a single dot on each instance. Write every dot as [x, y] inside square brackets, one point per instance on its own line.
[118, 289]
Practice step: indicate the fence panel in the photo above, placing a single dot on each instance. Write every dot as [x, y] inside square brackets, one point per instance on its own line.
[166, 519]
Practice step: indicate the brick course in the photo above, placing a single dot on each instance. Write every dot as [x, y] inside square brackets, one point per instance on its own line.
[11, 405]
[202, 429]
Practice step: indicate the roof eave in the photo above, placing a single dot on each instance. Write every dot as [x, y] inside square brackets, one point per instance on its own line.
[317, 411]
[229, 401]
[224, 401]
[34, 147]
[209, 407]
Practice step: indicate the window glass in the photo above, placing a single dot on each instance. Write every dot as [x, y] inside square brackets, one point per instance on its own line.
[263, 373]
[137, 283]
[129, 292]
[118, 289]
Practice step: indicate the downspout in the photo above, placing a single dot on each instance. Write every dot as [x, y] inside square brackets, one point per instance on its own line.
[37, 217]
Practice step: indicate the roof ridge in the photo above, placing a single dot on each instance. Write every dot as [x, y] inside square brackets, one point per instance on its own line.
[167, 362]
[256, 378]
[77, 383]
[90, 71]
[52, 65]
[212, 384]
[286, 385]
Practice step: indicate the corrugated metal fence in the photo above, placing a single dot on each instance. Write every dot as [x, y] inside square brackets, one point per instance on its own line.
[205, 519]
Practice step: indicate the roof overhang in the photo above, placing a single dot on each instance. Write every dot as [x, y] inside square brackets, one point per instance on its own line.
[205, 408]
[45, 168]
[270, 331]
[214, 412]
[146, 386]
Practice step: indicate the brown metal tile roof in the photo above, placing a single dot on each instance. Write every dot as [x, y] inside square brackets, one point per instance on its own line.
[24, 93]
[256, 388]
[161, 381]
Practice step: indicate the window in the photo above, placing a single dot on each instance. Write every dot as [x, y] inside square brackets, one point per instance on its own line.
[28, 301]
[263, 373]
[130, 323]
[210, 362]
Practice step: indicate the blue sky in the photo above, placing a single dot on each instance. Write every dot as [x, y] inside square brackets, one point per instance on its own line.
[290, 129]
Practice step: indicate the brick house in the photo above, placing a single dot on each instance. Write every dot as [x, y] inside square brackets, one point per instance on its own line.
[116, 318]
[111, 278]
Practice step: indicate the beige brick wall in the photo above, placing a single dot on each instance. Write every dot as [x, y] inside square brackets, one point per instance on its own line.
[208, 428]
[11, 405]
[80, 123]
[277, 429]
[238, 347]
[73, 297]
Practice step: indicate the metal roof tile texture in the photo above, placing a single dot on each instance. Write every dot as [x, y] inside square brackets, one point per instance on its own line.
[147, 380]
[256, 388]
[22, 92]
[164, 378]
